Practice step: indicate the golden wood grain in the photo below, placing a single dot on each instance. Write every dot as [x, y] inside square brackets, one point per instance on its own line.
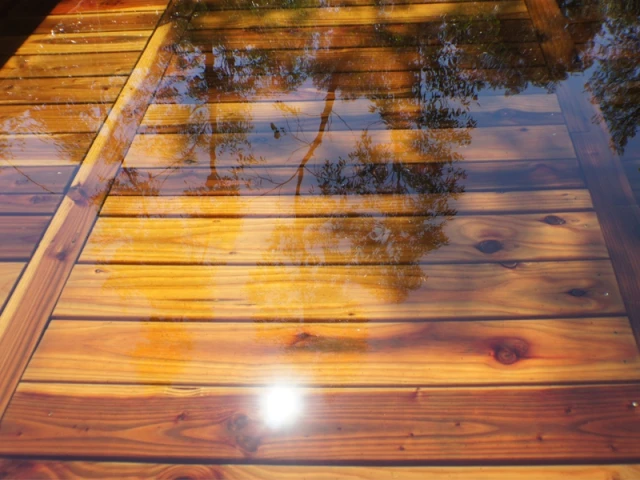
[393, 354]
[346, 241]
[69, 43]
[56, 469]
[9, 272]
[81, 23]
[568, 424]
[546, 201]
[70, 65]
[308, 293]
[39, 119]
[63, 90]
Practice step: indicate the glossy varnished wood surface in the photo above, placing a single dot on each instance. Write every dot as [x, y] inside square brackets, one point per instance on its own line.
[347, 424]
[53, 470]
[440, 353]
[430, 283]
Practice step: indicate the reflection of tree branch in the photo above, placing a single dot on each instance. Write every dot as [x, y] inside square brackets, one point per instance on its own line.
[31, 179]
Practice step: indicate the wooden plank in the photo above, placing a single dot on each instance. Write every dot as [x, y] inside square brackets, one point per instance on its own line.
[20, 235]
[216, 181]
[29, 204]
[68, 43]
[353, 114]
[546, 201]
[482, 30]
[74, 65]
[291, 148]
[9, 272]
[371, 293]
[480, 425]
[62, 90]
[357, 15]
[347, 354]
[347, 241]
[38, 180]
[216, 5]
[613, 197]
[81, 23]
[36, 469]
[38, 119]
[49, 150]
[555, 40]
[349, 58]
[382, 84]
[65, 7]
[23, 321]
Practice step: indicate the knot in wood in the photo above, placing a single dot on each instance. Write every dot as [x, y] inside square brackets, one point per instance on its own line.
[554, 220]
[509, 350]
[489, 246]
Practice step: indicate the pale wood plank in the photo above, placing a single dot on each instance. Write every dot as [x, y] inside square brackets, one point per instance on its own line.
[38, 180]
[19, 235]
[224, 181]
[62, 90]
[382, 293]
[65, 7]
[547, 201]
[25, 150]
[394, 354]
[70, 65]
[81, 23]
[69, 43]
[30, 204]
[405, 146]
[39, 119]
[9, 272]
[568, 424]
[347, 241]
[23, 321]
[357, 15]
[57, 469]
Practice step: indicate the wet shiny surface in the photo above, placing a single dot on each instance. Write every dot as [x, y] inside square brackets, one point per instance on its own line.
[343, 233]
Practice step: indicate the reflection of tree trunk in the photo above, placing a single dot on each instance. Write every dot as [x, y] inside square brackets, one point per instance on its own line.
[213, 175]
[324, 119]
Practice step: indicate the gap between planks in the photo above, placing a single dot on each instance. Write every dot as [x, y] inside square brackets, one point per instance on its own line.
[23, 321]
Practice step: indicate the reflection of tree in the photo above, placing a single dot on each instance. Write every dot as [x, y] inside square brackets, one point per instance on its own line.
[612, 64]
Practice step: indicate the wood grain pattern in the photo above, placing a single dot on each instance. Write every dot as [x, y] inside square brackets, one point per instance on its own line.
[382, 293]
[68, 43]
[70, 65]
[9, 272]
[62, 90]
[613, 197]
[221, 181]
[38, 180]
[48, 150]
[20, 235]
[546, 201]
[29, 204]
[374, 114]
[65, 7]
[403, 146]
[358, 15]
[33, 469]
[215, 5]
[346, 241]
[38, 119]
[23, 321]
[390, 354]
[568, 424]
[82, 23]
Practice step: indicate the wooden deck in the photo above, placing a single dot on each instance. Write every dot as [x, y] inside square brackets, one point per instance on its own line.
[236, 244]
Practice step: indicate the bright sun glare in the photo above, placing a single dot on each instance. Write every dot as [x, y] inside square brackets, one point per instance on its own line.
[281, 406]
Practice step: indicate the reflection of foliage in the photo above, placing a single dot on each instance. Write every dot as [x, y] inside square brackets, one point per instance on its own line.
[612, 59]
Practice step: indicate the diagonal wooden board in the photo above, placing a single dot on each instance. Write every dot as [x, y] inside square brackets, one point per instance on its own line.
[23, 321]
